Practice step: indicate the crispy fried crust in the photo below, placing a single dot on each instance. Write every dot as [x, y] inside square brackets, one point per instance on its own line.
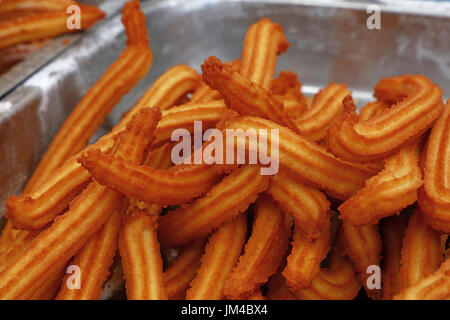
[119, 78]
[421, 253]
[46, 24]
[220, 257]
[183, 269]
[434, 196]
[86, 215]
[363, 247]
[391, 190]
[263, 42]
[141, 257]
[309, 161]
[94, 260]
[433, 287]
[303, 262]
[264, 250]
[337, 282]
[8, 6]
[392, 231]
[417, 103]
[278, 290]
[309, 207]
[222, 203]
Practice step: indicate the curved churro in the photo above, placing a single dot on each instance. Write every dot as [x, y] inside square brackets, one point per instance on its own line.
[337, 282]
[183, 269]
[278, 290]
[220, 257]
[263, 42]
[86, 215]
[264, 250]
[222, 203]
[94, 260]
[141, 257]
[309, 207]
[392, 231]
[416, 104]
[391, 190]
[292, 107]
[47, 24]
[421, 253]
[287, 85]
[119, 78]
[174, 83]
[308, 161]
[433, 287]
[434, 196]
[8, 6]
[363, 247]
[303, 263]
[327, 104]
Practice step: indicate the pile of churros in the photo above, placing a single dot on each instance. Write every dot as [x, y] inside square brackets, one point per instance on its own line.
[26, 24]
[358, 204]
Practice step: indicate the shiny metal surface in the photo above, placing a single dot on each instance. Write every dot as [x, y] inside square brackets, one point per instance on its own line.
[329, 42]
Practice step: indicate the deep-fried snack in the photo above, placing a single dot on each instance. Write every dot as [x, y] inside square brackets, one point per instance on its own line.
[256, 295]
[337, 282]
[223, 202]
[41, 25]
[205, 94]
[220, 257]
[287, 85]
[86, 215]
[303, 262]
[9, 6]
[264, 250]
[433, 287]
[183, 269]
[309, 161]
[327, 104]
[434, 196]
[291, 106]
[243, 95]
[149, 184]
[309, 207]
[119, 78]
[181, 79]
[392, 231]
[421, 253]
[372, 109]
[183, 117]
[363, 247]
[141, 257]
[391, 190]
[263, 42]
[94, 260]
[416, 104]
[278, 290]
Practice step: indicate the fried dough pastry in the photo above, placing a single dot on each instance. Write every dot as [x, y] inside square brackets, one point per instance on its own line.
[287, 85]
[86, 215]
[309, 207]
[416, 103]
[183, 269]
[119, 78]
[278, 290]
[308, 161]
[9, 6]
[263, 42]
[46, 24]
[303, 262]
[363, 247]
[223, 202]
[434, 196]
[94, 260]
[221, 254]
[337, 282]
[392, 231]
[141, 257]
[391, 190]
[433, 287]
[264, 250]
[421, 253]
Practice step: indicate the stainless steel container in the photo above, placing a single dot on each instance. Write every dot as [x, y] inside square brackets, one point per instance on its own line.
[329, 40]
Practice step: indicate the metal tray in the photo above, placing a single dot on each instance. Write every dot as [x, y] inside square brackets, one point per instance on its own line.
[329, 42]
